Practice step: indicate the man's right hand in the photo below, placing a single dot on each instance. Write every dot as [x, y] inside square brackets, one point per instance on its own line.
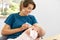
[25, 26]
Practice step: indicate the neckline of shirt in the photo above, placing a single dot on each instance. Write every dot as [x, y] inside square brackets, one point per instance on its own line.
[20, 15]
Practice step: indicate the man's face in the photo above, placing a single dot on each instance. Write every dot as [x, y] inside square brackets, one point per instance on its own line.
[27, 10]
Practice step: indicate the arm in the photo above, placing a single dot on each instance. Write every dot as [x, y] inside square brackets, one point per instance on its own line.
[7, 30]
[36, 25]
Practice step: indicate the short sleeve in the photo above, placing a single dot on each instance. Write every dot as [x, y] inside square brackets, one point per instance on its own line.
[33, 20]
[9, 20]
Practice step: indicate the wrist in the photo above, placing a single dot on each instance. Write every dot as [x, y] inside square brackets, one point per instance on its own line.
[21, 28]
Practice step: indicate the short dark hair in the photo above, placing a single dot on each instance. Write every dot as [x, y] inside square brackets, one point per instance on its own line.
[25, 3]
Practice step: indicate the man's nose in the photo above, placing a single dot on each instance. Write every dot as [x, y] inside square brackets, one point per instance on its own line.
[30, 11]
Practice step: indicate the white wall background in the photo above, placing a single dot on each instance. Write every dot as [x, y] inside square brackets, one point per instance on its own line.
[47, 13]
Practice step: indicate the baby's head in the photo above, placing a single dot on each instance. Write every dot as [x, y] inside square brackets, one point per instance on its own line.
[37, 29]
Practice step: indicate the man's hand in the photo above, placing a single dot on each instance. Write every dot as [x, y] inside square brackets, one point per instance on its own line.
[25, 26]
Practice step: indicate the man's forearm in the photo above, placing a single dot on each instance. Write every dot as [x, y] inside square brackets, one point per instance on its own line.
[11, 31]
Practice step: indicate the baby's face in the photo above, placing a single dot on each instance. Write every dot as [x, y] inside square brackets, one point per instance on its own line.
[37, 29]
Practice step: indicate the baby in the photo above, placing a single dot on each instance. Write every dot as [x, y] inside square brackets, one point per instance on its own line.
[30, 34]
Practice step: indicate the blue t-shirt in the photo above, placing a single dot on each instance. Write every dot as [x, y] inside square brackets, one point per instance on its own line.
[16, 21]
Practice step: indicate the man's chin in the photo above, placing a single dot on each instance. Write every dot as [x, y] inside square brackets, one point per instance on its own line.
[26, 14]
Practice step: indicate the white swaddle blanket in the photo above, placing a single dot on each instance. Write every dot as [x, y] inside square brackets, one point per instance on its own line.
[33, 35]
[24, 36]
